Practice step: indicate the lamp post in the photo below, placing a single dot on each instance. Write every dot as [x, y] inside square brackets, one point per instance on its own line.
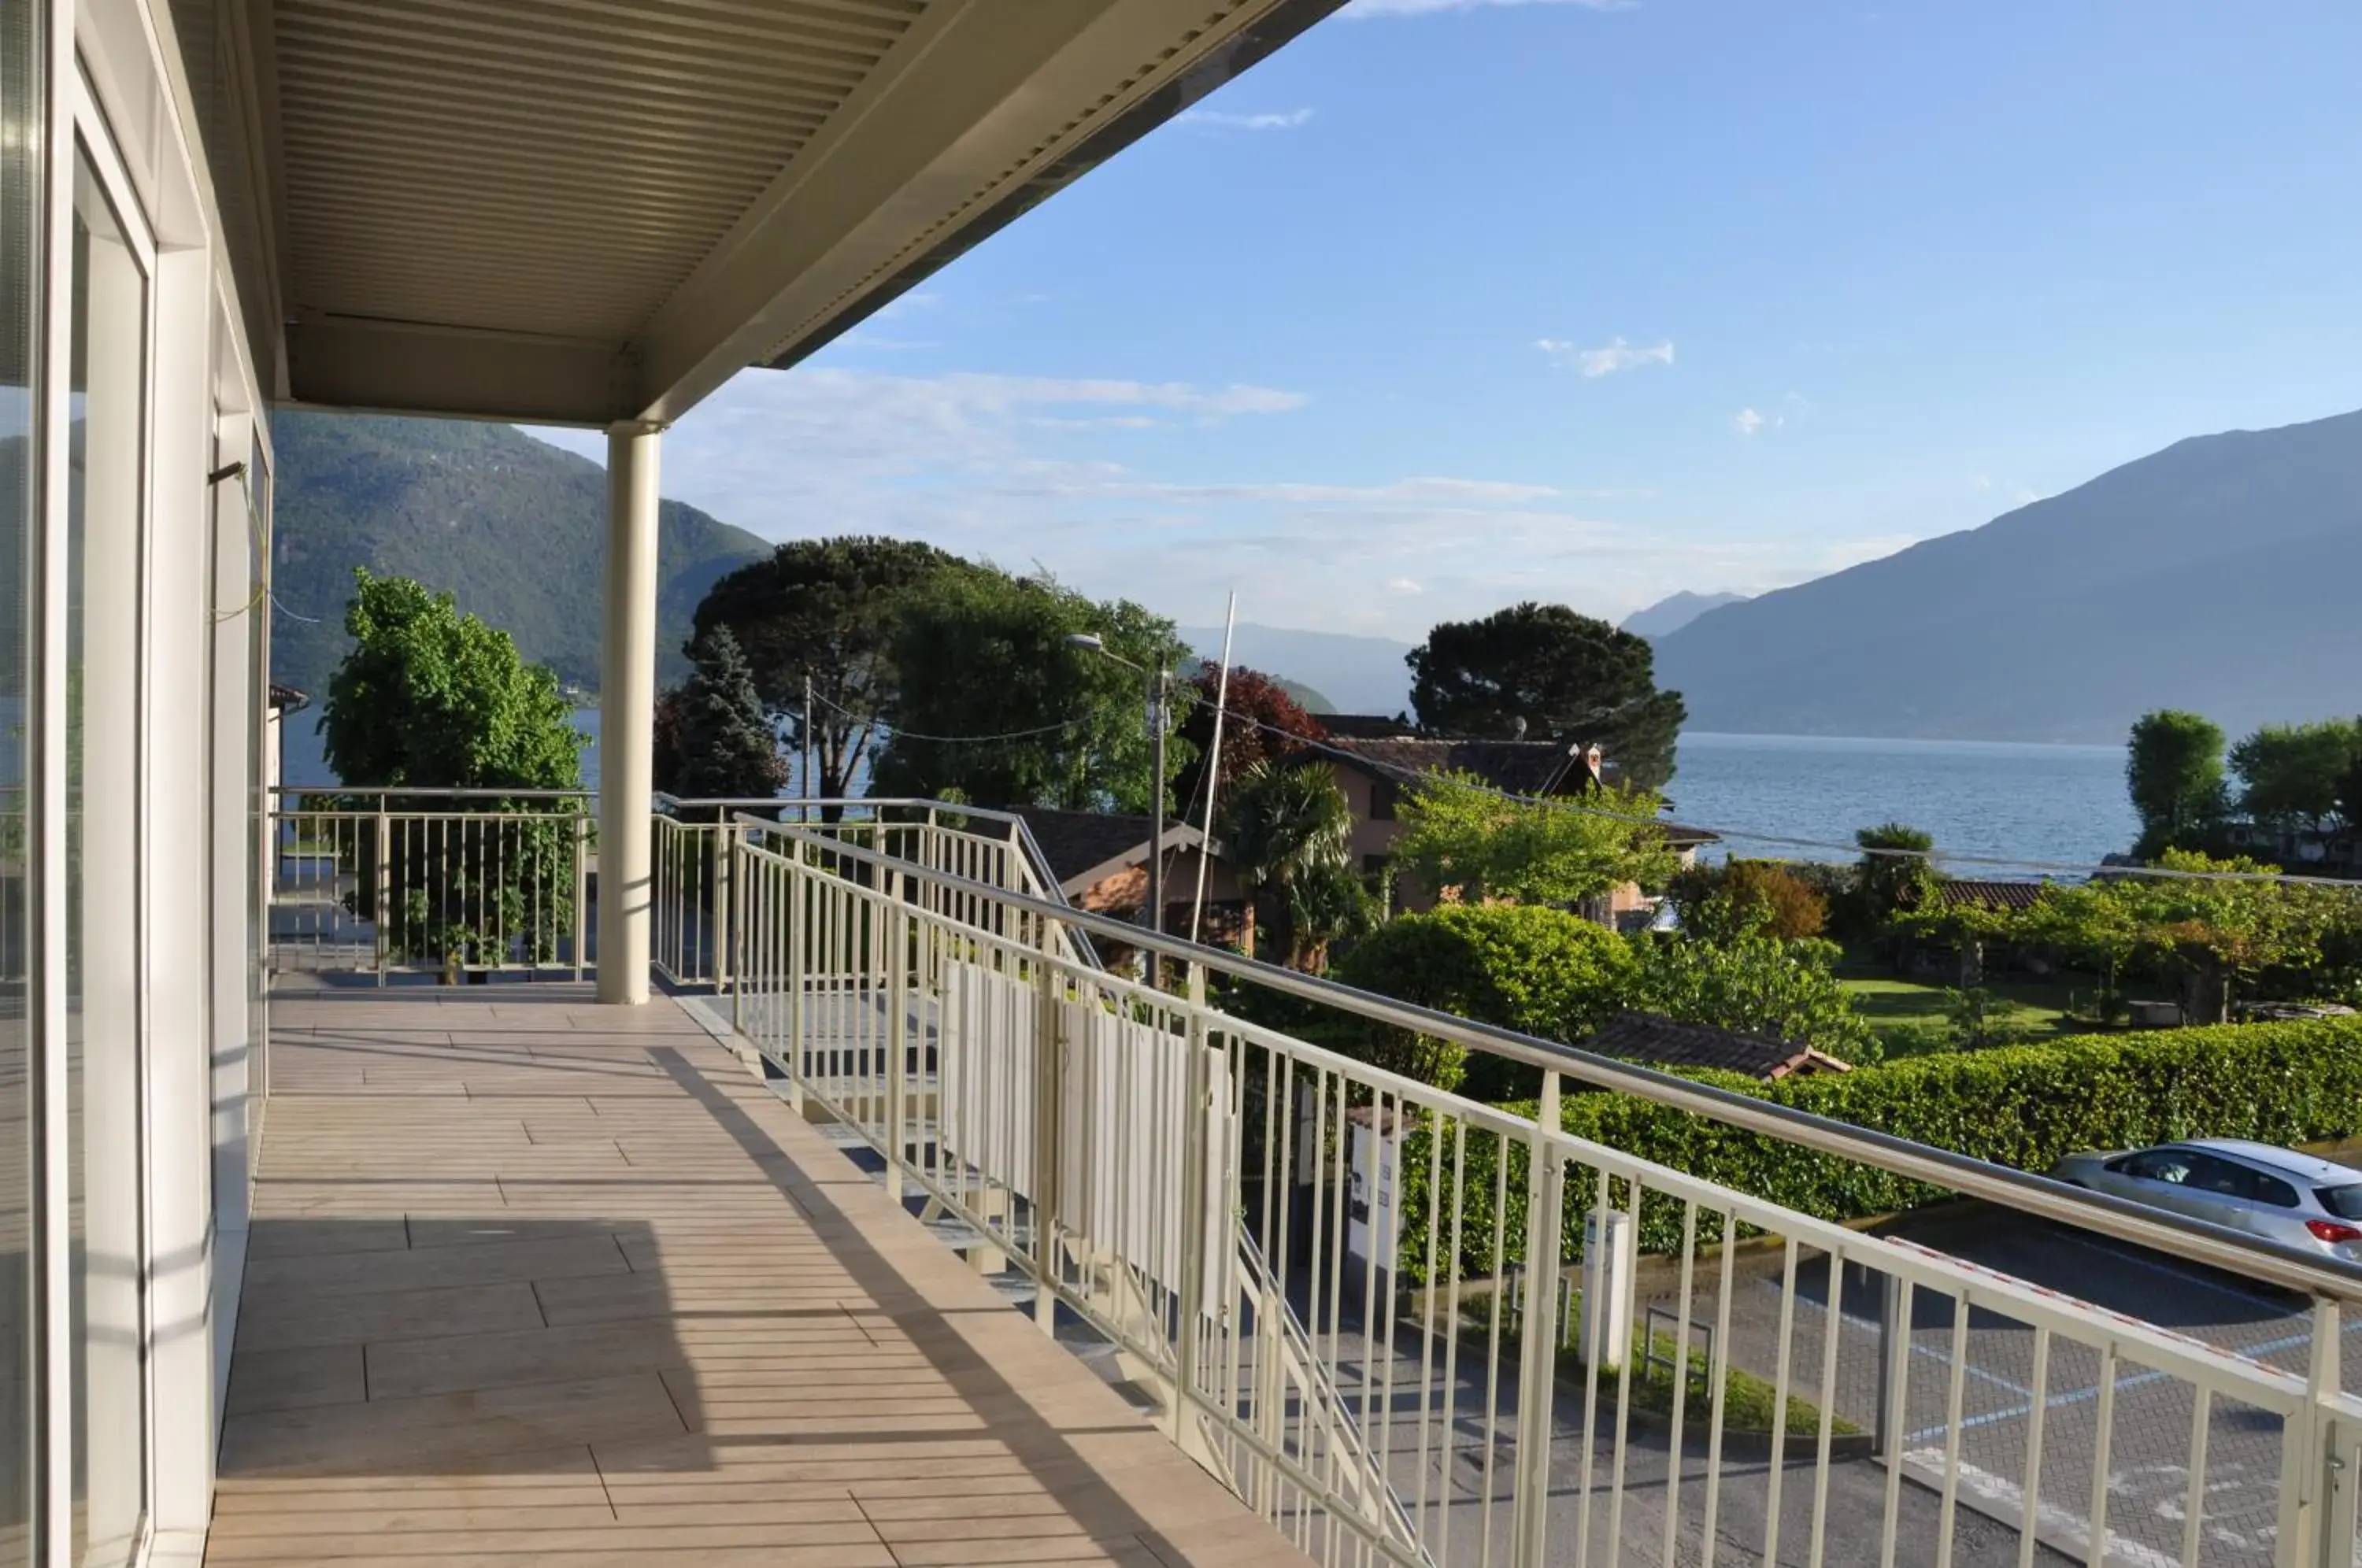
[1157, 681]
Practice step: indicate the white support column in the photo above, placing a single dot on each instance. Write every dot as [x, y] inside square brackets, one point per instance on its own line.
[628, 699]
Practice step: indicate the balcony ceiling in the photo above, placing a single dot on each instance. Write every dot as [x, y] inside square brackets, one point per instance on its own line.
[585, 211]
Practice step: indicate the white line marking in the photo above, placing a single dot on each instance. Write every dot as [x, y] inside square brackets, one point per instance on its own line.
[2063, 1528]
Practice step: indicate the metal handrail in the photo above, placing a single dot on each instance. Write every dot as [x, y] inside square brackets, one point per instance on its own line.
[2195, 1240]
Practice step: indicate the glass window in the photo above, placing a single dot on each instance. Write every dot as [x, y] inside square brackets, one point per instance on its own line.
[22, 146]
[2346, 1202]
[2172, 1166]
[107, 1254]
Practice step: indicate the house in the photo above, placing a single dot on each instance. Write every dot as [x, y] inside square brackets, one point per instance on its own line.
[1655, 1040]
[1967, 967]
[1376, 760]
[1100, 859]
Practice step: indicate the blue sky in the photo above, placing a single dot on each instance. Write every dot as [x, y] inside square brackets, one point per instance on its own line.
[1449, 305]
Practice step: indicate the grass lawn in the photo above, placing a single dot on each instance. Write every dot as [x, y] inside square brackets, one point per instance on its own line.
[1747, 1400]
[1912, 1017]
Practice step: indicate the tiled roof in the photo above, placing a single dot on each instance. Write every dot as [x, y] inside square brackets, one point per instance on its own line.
[1074, 842]
[1659, 1042]
[1365, 726]
[1990, 895]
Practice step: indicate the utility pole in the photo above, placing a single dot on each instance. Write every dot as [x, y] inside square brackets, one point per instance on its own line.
[804, 785]
[1157, 684]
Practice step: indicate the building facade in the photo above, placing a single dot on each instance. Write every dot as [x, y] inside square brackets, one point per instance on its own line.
[511, 211]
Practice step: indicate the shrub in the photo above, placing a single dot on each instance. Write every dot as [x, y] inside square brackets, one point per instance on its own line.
[1538, 970]
[2021, 1106]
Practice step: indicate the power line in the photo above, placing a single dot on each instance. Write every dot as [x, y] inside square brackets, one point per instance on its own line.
[894, 730]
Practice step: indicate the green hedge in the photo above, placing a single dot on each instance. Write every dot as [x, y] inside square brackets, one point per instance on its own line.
[2023, 1106]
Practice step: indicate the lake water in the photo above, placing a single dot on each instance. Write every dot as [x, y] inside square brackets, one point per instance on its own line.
[2063, 803]
[2060, 803]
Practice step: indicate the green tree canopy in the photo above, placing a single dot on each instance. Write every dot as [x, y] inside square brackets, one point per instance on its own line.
[1896, 872]
[993, 703]
[431, 697]
[1541, 971]
[1569, 677]
[1289, 831]
[1755, 983]
[1748, 898]
[2293, 778]
[728, 748]
[2174, 771]
[824, 610]
[1458, 833]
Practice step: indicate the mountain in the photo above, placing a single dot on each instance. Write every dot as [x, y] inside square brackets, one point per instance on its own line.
[2218, 574]
[515, 528]
[1670, 615]
[1352, 674]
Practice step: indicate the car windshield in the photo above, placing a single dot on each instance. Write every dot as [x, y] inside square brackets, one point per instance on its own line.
[2346, 1202]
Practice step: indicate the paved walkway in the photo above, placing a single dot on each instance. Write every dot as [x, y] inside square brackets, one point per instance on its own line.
[534, 1281]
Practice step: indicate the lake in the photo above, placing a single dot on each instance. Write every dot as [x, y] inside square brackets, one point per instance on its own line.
[2036, 802]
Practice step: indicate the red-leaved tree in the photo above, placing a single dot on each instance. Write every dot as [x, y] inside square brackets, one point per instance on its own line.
[1265, 723]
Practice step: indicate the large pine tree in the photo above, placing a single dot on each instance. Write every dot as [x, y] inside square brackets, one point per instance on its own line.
[728, 749]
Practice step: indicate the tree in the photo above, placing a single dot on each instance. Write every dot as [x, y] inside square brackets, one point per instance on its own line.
[2174, 771]
[1255, 701]
[1567, 676]
[1743, 898]
[728, 748]
[1540, 971]
[1458, 833]
[432, 699]
[826, 611]
[1896, 872]
[994, 703]
[1757, 984]
[664, 751]
[1289, 831]
[2294, 777]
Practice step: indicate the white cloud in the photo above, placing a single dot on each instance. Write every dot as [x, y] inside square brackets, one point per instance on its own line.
[1753, 422]
[1025, 469]
[1618, 355]
[1226, 121]
[1423, 7]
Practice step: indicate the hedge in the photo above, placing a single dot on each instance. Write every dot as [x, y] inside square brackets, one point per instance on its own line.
[2023, 1106]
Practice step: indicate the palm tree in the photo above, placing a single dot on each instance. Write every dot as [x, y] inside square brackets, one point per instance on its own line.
[1289, 831]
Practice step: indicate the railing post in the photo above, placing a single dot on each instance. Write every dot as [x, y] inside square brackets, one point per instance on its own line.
[1538, 1345]
[1049, 1115]
[798, 929]
[582, 889]
[2317, 1456]
[897, 937]
[732, 967]
[1198, 1111]
[723, 924]
[379, 903]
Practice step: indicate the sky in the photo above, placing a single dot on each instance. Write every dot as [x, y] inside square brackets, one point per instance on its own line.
[1451, 304]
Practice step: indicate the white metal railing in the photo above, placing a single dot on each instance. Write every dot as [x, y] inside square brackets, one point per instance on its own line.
[1410, 1328]
[447, 882]
[691, 939]
[388, 880]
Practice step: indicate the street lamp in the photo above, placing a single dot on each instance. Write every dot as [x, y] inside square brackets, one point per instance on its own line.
[1090, 642]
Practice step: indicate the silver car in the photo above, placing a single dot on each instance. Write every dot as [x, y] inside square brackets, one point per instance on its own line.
[2283, 1197]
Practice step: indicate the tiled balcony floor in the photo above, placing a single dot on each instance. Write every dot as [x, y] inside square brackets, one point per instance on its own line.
[534, 1281]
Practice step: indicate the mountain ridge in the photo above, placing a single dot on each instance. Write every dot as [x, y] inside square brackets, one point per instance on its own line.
[2207, 575]
[511, 527]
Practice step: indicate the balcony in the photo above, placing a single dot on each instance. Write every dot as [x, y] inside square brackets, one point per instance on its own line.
[793, 1266]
